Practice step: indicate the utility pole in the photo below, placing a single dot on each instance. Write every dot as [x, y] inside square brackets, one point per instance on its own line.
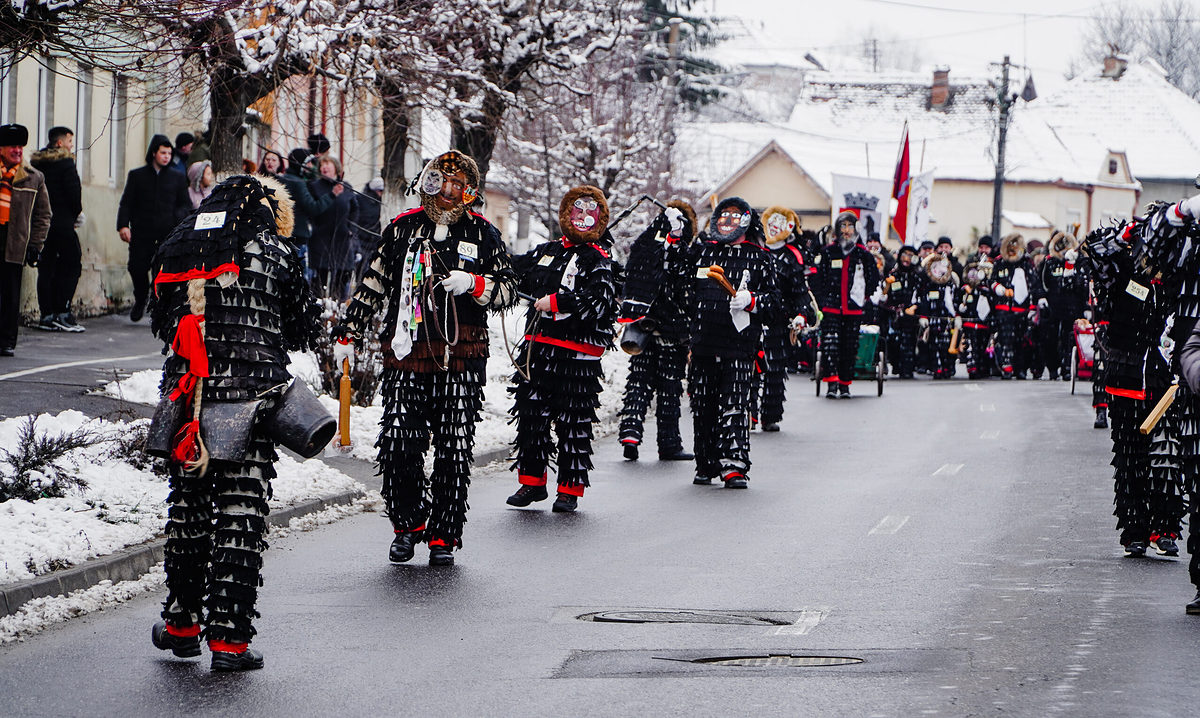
[1006, 102]
[672, 98]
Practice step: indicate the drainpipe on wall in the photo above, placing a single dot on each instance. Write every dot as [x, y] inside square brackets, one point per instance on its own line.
[1088, 228]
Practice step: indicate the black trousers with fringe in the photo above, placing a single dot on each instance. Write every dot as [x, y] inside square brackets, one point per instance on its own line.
[1010, 332]
[839, 346]
[974, 345]
[555, 410]
[719, 388]
[656, 373]
[773, 375]
[213, 555]
[1146, 476]
[442, 407]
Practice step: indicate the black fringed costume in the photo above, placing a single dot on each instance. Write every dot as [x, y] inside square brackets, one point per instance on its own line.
[1138, 305]
[791, 273]
[1058, 285]
[898, 289]
[934, 300]
[1013, 286]
[435, 353]
[845, 279]
[231, 300]
[559, 397]
[723, 347]
[655, 284]
[975, 310]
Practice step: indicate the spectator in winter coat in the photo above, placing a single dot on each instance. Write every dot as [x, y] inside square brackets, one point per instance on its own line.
[24, 222]
[368, 228]
[181, 155]
[60, 265]
[330, 254]
[154, 201]
[307, 206]
[200, 182]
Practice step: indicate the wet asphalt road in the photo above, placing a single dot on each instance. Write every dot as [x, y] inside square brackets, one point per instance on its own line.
[956, 536]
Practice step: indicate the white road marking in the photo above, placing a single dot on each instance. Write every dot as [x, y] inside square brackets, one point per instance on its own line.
[972, 387]
[69, 364]
[990, 435]
[987, 407]
[809, 618]
[948, 469]
[889, 525]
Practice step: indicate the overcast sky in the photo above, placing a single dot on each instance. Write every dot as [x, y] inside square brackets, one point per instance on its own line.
[963, 34]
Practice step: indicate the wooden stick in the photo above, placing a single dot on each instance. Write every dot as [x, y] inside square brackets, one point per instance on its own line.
[344, 401]
[718, 276]
[953, 341]
[1159, 409]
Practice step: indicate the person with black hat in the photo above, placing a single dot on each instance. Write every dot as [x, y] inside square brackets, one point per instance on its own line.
[442, 269]
[155, 199]
[568, 328]
[945, 247]
[230, 302]
[60, 265]
[846, 278]
[655, 322]
[184, 141]
[924, 250]
[307, 205]
[984, 249]
[898, 290]
[24, 224]
[732, 293]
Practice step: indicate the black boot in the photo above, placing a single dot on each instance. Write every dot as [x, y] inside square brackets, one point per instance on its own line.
[441, 555]
[843, 391]
[1135, 549]
[1193, 608]
[182, 646]
[247, 660]
[527, 495]
[770, 427]
[566, 503]
[1101, 418]
[403, 546]
[631, 452]
[831, 393]
[675, 455]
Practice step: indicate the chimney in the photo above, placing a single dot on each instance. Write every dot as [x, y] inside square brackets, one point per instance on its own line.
[1114, 66]
[939, 93]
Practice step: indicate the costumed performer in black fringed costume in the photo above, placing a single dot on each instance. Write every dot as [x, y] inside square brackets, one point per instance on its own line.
[975, 311]
[898, 290]
[230, 301]
[570, 326]
[725, 335]
[1060, 300]
[1139, 305]
[796, 310]
[1013, 285]
[441, 268]
[653, 304]
[933, 298]
[845, 279]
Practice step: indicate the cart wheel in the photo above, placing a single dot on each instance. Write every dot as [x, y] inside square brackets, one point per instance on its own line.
[817, 372]
[1074, 370]
[880, 370]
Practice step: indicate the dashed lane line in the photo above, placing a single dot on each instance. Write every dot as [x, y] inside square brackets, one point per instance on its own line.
[987, 407]
[69, 364]
[888, 525]
[948, 469]
[809, 619]
[990, 435]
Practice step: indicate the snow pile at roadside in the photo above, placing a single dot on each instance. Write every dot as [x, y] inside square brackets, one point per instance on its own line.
[121, 506]
[142, 387]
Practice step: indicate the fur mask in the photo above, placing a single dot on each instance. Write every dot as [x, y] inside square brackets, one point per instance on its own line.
[975, 273]
[731, 220]
[937, 267]
[1061, 243]
[430, 185]
[846, 244]
[1012, 248]
[778, 225]
[583, 214]
[689, 219]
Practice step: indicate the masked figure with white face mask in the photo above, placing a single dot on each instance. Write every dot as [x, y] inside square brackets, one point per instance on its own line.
[655, 331]
[725, 337]
[570, 325]
[440, 269]
[975, 311]
[935, 310]
[845, 279]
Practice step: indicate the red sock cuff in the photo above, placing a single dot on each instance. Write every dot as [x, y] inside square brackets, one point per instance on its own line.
[183, 631]
[570, 490]
[527, 480]
[410, 531]
[227, 647]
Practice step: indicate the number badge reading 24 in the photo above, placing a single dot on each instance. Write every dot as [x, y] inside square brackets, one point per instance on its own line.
[210, 220]
[1136, 290]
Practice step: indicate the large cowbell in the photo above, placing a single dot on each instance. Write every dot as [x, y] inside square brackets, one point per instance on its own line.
[636, 336]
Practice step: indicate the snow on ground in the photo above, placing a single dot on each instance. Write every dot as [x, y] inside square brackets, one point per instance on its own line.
[493, 432]
[121, 506]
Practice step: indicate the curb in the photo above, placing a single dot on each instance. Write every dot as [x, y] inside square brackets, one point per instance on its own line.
[132, 562]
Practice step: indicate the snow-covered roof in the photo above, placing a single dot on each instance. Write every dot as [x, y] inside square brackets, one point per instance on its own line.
[1026, 220]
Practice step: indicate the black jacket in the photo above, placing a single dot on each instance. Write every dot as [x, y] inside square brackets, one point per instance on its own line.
[713, 331]
[582, 280]
[843, 282]
[153, 202]
[329, 246]
[655, 284]
[306, 206]
[62, 184]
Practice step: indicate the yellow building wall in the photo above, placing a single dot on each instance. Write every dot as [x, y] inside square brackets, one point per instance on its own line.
[775, 181]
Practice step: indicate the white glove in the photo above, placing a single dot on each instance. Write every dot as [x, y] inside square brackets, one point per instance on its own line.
[343, 351]
[1087, 314]
[459, 282]
[1001, 290]
[797, 322]
[923, 322]
[1185, 210]
[1043, 303]
[741, 300]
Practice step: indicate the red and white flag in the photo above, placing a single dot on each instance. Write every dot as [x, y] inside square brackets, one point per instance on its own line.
[900, 187]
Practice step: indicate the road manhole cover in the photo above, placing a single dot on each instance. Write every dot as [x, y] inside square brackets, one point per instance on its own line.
[737, 618]
[776, 661]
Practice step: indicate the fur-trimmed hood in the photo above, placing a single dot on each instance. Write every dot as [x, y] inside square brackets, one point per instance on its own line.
[51, 154]
[592, 235]
[935, 258]
[1012, 247]
[789, 223]
[689, 216]
[1061, 243]
[280, 202]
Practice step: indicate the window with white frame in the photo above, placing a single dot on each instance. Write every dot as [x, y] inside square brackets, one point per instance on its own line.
[83, 120]
[116, 130]
[45, 100]
[8, 88]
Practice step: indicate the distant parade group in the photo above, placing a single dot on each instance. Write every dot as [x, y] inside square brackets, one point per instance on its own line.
[733, 305]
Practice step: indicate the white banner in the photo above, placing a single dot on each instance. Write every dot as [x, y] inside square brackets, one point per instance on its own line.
[920, 190]
[868, 198]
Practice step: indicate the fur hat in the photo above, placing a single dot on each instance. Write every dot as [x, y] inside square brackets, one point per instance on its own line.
[592, 234]
[689, 216]
[737, 205]
[982, 267]
[789, 223]
[1061, 243]
[1012, 247]
[14, 135]
[935, 258]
